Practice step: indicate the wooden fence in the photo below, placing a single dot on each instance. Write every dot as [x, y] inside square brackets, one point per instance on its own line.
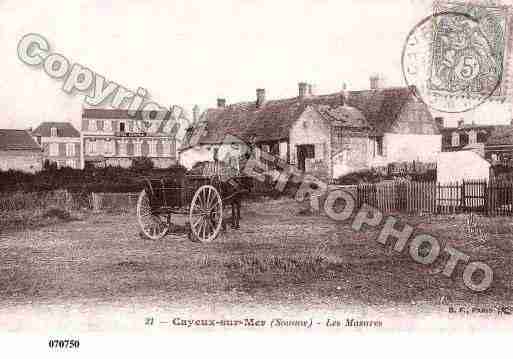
[494, 198]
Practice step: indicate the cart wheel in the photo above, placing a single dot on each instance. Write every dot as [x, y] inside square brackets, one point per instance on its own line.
[152, 226]
[205, 214]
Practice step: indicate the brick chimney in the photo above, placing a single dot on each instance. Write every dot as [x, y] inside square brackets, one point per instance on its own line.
[302, 89]
[343, 95]
[260, 97]
[221, 102]
[376, 82]
[195, 113]
[311, 90]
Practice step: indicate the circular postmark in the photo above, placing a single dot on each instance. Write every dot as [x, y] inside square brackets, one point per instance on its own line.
[453, 61]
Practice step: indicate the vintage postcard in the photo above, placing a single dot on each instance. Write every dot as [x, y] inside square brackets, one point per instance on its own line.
[176, 169]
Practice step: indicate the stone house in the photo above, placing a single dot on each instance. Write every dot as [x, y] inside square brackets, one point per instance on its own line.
[464, 136]
[19, 151]
[60, 142]
[329, 134]
[492, 142]
[112, 137]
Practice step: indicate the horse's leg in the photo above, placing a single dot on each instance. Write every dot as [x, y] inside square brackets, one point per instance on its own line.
[234, 216]
[237, 204]
[223, 224]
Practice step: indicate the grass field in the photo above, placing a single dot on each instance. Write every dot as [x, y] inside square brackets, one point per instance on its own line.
[278, 257]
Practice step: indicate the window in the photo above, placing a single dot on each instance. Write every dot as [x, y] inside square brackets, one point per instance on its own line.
[137, 148]
[109, 147]
[70, 163]
[123, 148]
[463, 139]
[107, 126]
[54, 149]
[472, 137]
[379, 146]
[153, 148]
[70, 149]
[121, 127]
[275, 149]
[92, 125]
[99, 146]
[283, 150]
[53, 132]
[481, 136]
[91, 147]
[166, 148]
[455, 139]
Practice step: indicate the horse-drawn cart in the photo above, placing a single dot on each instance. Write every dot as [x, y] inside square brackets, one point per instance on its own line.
[198, 197]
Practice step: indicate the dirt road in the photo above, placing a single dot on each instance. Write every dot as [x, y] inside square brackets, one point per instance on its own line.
[278, 258]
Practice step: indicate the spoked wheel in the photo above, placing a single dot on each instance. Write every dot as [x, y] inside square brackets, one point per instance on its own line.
[206, 214]
[152, 226]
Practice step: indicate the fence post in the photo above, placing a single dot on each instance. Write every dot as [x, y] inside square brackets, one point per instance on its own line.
[462, 203]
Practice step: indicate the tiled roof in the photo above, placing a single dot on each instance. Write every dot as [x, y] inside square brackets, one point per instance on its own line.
[374, 109]
[17, 140]
[64, 129]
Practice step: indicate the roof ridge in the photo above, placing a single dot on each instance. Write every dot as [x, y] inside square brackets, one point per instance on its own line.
[312, 97]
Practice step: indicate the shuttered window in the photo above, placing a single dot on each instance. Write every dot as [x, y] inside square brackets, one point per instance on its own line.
[70, 149]
[54, 149]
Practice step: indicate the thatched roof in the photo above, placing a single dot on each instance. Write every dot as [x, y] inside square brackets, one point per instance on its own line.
[376, 110]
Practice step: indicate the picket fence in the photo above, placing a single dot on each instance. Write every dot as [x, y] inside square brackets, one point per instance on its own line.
[491, 198]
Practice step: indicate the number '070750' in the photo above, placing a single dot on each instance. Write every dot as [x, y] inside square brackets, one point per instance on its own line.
[63, 344]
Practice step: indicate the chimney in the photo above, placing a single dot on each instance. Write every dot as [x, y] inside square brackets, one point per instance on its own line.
[221, 102]
[461, 123]
[440, 122]
[376, 82]
[195, 113]
[343, 95]
[311, 90]
[302, 89]
[260, 94]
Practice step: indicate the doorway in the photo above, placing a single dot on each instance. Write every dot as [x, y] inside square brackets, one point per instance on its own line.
[304, 152]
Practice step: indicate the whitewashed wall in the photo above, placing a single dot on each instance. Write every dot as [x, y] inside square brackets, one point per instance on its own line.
[311, 129]
[461, 165]
[402, 147]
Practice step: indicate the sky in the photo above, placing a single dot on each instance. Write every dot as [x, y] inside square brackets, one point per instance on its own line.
[192, 52]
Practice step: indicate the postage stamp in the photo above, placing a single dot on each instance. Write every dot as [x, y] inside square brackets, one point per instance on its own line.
[456, 58]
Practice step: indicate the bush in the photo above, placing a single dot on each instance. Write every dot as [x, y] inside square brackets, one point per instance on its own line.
[363, 176]
[49, 166]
